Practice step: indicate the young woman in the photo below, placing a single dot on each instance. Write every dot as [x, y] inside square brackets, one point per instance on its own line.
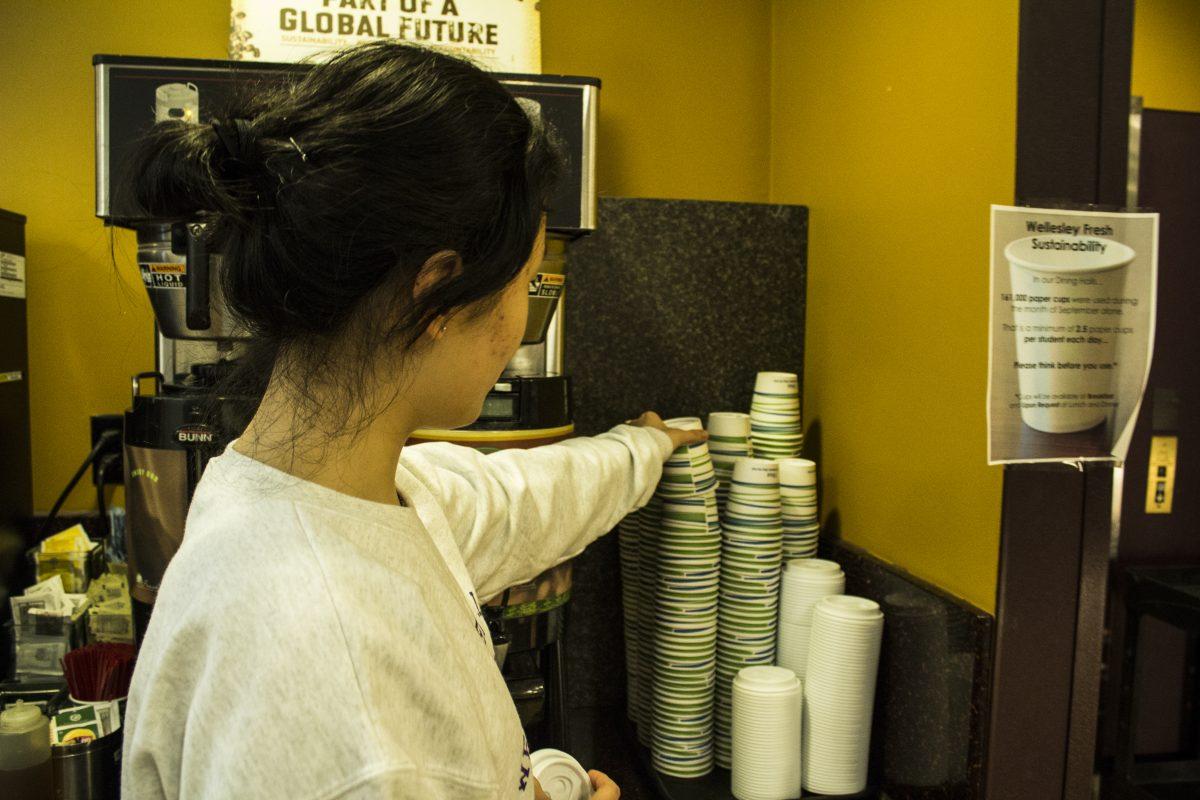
[318, 634]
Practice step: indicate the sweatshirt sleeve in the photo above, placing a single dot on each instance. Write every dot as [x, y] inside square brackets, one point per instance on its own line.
[515, 513]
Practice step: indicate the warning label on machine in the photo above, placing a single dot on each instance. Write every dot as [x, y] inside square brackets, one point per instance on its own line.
[12, 275]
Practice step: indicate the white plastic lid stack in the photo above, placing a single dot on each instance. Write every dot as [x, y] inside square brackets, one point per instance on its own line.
[767, 708]
[843, 661]
[560, 775]
[805, 583]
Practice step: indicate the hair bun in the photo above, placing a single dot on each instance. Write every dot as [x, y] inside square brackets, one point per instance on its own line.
[236, 145]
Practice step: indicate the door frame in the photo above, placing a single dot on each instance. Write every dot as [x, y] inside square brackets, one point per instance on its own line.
[1073, 87]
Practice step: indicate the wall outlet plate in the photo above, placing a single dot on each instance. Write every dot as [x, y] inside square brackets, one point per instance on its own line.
[1160, 480]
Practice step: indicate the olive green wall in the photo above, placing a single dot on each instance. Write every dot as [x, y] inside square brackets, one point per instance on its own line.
[90, 326]
[895, 123]
[1166, 53]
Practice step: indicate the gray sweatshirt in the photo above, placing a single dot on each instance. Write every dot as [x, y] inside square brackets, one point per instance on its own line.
[310, 645]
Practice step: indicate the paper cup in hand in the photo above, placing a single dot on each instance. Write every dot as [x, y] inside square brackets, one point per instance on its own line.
[1061, 284]
[561, 776]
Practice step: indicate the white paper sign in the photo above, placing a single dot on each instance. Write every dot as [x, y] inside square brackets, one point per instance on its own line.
[1072, 332]
[12, 275]
[499, 35]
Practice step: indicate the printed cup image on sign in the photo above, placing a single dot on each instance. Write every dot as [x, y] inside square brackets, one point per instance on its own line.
[1065, 360]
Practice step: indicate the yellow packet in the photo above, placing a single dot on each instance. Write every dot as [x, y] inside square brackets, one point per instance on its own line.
[72, 540]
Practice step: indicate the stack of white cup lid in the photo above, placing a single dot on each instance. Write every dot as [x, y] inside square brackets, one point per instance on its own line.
[766, 734]
[806, 582]
[839, 698]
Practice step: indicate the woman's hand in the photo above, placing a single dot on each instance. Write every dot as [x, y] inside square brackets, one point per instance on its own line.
[603, 787]
[678, 436]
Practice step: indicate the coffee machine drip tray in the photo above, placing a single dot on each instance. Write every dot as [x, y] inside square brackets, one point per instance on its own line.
[518, 412]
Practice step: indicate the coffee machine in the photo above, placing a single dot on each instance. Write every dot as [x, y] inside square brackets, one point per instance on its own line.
[172, 431]
[176, 423]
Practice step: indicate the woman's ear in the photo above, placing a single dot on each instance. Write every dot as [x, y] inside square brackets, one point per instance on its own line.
[440, 267]
[437, 269]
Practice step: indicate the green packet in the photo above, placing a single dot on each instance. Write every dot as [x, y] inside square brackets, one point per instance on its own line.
[76, 724]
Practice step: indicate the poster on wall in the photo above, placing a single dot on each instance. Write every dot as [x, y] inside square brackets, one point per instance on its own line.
[1072, 332]
[498, 35]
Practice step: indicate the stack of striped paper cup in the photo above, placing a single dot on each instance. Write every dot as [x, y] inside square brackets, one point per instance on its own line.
[775, 430]
[689, 565]
[798, 491]
[649, 517]
[628, 534]
[751, 553]
[805, 583]
[689, 471]
[728, 440]
[839, 696]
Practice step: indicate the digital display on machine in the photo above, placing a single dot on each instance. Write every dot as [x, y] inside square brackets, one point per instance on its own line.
[499, 406]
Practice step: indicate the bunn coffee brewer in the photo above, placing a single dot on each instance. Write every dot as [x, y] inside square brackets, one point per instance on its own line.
[176, 422]
[173, 430]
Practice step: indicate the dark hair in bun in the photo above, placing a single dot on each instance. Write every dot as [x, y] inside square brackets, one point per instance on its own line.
[330, 193]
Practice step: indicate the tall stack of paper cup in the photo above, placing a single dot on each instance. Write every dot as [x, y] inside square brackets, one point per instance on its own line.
[843, 660]
[767, 707]
[751, 558]
[687, 569]
[689, 559]
[628, 534]
[775, 429]
[649, 518]
[805, 582]
[798, 491]
[728, 440]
